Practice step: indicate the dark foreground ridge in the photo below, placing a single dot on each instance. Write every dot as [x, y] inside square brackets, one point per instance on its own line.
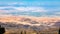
[2, 30]
[59, 31]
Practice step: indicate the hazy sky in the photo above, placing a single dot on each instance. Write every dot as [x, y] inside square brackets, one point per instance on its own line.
[48, 7]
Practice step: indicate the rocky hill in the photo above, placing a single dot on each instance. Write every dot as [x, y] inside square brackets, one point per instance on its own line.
[35, 23]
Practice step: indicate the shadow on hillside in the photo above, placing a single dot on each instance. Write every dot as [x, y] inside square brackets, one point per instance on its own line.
[2, 30]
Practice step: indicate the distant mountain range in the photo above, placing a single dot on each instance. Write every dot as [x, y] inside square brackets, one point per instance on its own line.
[36, 23]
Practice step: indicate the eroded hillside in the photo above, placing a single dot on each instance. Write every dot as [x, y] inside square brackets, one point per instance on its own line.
[26, 20]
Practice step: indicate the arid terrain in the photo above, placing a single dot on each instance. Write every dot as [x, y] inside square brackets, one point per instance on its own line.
[30, 24]
[18, 19]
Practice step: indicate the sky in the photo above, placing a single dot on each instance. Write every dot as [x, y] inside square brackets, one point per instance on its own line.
[30, 7]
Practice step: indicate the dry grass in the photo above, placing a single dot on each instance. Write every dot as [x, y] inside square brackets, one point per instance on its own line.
[30, 31]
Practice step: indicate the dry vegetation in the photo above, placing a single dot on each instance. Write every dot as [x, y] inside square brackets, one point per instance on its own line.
[11, 20]
[31, 31]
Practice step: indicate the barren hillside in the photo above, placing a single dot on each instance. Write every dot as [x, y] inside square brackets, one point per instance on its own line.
[27, 20]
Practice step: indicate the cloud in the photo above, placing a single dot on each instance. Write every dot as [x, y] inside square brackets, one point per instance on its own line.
[30, 11]
[57, 13]
[33, 9]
